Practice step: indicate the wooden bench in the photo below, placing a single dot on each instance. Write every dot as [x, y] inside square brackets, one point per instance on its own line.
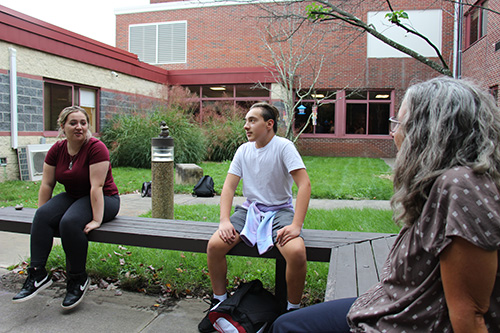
[192, 236]
[355, 267]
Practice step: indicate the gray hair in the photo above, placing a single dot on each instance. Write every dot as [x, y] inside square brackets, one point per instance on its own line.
[63, 117]
[447, 123]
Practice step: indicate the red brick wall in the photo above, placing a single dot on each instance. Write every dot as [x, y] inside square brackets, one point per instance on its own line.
[228, 37]
[480, 61]
[377, 148]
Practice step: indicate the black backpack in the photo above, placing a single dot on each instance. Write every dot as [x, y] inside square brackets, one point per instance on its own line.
[146, 189]
[204, 187]
[252, 308]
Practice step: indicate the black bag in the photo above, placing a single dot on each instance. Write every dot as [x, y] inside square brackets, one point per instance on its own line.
[204, 187]
[146, 189]
[251, 309]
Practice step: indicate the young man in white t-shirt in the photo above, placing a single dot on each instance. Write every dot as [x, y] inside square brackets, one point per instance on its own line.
[268, 166]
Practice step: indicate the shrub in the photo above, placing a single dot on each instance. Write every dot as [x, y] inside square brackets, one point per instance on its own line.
[128, 137]
[223, 130]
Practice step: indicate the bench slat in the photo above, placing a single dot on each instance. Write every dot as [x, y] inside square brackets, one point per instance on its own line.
[381, 250]
[365, 267]
[341, 274]
[362, 270]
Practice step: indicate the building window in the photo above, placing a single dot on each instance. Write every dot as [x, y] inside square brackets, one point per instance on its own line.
[58, 95]
[476, 21]
[347, 113]
[239, 96]
[159, 43]
[367, 112]
[317, 113]
[494, 93]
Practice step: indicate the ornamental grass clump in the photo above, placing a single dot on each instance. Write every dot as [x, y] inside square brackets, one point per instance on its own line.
[128, 137]
[223, 129]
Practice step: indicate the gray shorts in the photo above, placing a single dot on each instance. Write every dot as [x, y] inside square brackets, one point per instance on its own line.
[282, 218]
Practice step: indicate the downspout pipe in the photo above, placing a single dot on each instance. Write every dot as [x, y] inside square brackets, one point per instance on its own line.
[13, 98]
[457, 63]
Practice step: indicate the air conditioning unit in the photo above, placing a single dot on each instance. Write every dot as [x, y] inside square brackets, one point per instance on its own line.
[36, 158]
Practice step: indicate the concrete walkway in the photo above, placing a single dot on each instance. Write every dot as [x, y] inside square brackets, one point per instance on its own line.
[134, 204]
[106, 310]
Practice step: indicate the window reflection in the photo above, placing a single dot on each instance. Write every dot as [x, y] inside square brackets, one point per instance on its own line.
[378, 124]
[356, 119]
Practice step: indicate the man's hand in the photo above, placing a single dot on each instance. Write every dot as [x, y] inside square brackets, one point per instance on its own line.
[286, 234]
[227, 232]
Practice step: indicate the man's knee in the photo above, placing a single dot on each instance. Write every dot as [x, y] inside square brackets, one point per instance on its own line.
[216, 247]
[295, 252]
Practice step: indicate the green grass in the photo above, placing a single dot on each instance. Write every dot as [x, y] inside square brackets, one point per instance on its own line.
[331, 178]
[181, 273]
[349, 178]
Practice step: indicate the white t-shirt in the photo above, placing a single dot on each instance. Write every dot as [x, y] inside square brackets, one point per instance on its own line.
[266, 171]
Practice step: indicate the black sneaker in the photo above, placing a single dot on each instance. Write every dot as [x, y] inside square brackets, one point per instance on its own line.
[205, 325]
[37, 280]
[75, 290]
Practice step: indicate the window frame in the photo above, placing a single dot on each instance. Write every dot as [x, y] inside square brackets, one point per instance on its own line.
[482, 22]
[233, 97]
[340, 116]
[75, 100]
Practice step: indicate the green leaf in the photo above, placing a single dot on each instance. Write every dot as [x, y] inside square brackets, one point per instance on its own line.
[314, 11]
[396, 16]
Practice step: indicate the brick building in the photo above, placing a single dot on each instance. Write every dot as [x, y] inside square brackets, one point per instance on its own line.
[208, 45]
[43, 69]
[481, 45]
[218, 50]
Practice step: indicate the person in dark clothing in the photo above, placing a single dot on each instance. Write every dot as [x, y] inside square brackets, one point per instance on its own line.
[81, 163]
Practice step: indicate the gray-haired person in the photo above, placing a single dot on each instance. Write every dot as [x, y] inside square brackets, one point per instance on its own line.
[442, 273]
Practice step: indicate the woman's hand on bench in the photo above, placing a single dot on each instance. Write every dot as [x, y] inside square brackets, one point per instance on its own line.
[91, 226]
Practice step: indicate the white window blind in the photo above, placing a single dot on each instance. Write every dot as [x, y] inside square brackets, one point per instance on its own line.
[162, 43]
[87, 97]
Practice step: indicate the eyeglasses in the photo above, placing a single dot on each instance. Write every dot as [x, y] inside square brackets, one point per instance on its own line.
[393, 124]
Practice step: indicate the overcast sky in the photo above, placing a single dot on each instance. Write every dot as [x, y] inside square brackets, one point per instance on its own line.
[91, 18]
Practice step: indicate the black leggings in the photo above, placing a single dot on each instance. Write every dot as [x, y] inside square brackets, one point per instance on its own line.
[66, 216]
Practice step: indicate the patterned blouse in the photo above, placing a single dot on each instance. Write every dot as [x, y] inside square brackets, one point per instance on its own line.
[410, 296]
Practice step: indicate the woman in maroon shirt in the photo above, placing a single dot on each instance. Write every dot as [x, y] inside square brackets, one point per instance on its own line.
[81, 163]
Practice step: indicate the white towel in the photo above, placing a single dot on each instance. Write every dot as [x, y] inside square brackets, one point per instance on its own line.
[258, 229]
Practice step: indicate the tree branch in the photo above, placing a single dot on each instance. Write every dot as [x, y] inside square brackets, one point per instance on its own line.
[427, 40]
[337, 13]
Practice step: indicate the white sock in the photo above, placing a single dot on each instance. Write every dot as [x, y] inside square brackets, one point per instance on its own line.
[222, 297]
[292, 306]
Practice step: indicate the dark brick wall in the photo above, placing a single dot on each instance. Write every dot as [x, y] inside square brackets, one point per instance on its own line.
[113, 103]
[29, 104]
[4, 103]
